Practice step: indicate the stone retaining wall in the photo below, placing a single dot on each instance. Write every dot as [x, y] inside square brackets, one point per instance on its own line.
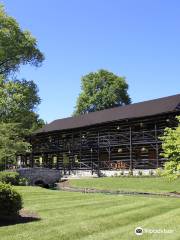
[44, 175]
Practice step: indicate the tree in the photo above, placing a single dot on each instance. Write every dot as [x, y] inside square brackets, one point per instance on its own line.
[101, 90]
[18, 103]
[18, 99]
[18, 119]
[171, 151]
[12, 143]
[16, 46]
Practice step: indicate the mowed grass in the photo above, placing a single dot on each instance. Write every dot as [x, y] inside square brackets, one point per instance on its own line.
[139, 184]
[71, 216]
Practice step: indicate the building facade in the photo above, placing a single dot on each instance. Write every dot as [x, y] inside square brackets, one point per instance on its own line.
[126, 137]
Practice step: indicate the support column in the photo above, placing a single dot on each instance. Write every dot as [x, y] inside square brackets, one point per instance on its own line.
[109, 148]
[130, 148]
[91, 150]
[157, 146]
[98, 157]
[31, 160]
[80, 154]
[72, 152]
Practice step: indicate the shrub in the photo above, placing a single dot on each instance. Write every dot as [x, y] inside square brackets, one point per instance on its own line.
[121, 173]
[10, 201]
[151, 173]
[13, 178]
[10, 178]
[23, 182]
[159, 172]
[171, 151]
[171, 170]
[130, 173]
[140, 173]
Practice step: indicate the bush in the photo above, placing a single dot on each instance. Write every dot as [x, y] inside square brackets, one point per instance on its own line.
[159, 172]
[151, 173]
[13, 178]
[171, 151]
[140, 173]
[121, 173]
[10, 178]
[171, 170]
[23, 182]
[10, 201]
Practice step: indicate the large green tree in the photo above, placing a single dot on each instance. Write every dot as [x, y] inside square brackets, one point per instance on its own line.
[101, 90]
[18, 99]
[18, 117]
[12, 143]
[16, 46]
[18, 103]
[171, 151]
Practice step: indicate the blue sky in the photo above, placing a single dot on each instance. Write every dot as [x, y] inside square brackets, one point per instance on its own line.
[137, 39]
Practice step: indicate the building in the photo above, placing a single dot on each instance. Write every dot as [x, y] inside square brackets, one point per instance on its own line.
[125, 137]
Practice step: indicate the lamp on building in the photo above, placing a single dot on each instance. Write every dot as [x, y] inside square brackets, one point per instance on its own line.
[54, 159]
[141, 124]
[167, 120]
[143, 149]
[118, 127]
[19, 161]
[91, 150]
[28, 150]
[40, 160]
[69, 151]
[120, 150]
[76, 160]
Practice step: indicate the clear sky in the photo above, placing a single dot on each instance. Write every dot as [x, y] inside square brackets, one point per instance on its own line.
[139, 39]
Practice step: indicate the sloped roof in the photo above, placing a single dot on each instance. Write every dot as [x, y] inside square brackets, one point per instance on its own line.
[136, 110]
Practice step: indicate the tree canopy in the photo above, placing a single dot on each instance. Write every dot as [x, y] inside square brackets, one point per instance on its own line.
[18, 118]
[18, 102]
[171, 150]
[18, 98]
[16, 46]
[101, 90]
[11, 143]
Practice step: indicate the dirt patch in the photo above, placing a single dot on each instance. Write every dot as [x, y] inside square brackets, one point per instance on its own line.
[26, 213]
[176, 193]
[63, 183]
[94, 190]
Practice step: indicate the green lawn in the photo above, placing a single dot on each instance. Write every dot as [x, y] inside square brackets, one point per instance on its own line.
[147, 184]
[71, 216]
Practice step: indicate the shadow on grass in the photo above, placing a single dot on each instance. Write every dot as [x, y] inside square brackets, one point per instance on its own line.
[23, 217]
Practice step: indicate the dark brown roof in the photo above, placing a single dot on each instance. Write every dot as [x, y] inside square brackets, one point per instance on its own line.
[136, 110]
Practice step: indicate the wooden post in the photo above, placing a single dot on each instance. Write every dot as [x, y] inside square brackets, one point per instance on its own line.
[98, 157]
[80, 154]
[130, 148]
[109, 148]
[31, 160]
[72, 152]
[91, 162]
[157, 146]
